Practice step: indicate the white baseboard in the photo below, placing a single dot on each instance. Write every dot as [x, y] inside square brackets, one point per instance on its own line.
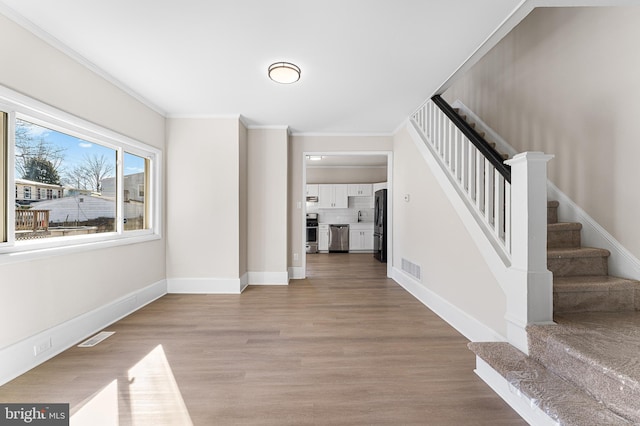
[296, 273]
[524, 406]
[244, 281]
[468, 326]
[204, 285]
[268, 278]
[20, 357]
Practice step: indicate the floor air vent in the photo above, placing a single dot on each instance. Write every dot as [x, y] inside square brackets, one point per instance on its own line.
[411, 268]
[92, 341]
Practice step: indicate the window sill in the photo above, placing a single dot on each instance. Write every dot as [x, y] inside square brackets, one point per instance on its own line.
[34, 250]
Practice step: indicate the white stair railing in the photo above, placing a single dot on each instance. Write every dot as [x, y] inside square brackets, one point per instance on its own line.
[487, 188]
[508, 201]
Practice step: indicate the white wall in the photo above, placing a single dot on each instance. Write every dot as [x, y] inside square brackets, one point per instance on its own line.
[428, 232]
[565, 82]
[267, 165]
[243, 180]
[306, 143]
[346, 174]
[40, 294]
[203, 200]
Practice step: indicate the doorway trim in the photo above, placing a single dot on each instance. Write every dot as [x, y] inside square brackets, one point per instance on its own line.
[389, 155]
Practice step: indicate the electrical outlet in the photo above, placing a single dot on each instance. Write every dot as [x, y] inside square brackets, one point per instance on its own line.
[41, 347]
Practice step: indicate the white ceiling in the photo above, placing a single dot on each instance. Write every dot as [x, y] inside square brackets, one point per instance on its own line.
[366, 64]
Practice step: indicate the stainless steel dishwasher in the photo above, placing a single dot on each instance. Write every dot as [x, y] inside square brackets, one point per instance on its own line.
[338, 238]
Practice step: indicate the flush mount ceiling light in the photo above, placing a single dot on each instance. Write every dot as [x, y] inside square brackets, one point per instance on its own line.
[284, 72]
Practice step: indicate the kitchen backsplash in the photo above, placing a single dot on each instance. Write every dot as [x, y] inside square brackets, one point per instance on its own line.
[349, 215]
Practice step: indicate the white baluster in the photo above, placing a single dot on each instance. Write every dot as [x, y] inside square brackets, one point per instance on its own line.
[489, 193]
[479, 181]
[499, 206]
[473, 153]
[457, 135]
[507, 217]
[464, 167]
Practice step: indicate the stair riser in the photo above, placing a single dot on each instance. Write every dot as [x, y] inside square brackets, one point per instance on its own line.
[617, 395]
[563, 239]
[594, 301]
[577, 266]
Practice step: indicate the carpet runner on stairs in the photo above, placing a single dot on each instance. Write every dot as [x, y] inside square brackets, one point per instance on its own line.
[564, 402]
[580, 274]
[585, 369]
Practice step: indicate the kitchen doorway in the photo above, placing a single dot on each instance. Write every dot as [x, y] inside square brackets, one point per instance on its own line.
[338, 175]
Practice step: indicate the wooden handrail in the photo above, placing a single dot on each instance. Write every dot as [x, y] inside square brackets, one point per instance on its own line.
[474, 137]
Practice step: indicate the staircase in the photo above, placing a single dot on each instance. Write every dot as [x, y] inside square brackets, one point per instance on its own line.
[585, 370]
[482, 134]
[580, 274]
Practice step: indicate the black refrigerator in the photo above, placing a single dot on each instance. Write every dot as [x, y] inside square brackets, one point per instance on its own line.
[380, 226]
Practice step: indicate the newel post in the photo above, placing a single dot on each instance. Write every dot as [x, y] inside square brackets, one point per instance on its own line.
[530, 288]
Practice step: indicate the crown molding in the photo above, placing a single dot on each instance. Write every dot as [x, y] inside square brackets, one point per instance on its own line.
[346, 167]
[268, 127]
[329, 134]
[238, 117]
[77, 57]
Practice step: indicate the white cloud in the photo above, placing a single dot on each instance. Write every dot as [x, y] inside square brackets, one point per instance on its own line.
[37, 131]
[85, 145]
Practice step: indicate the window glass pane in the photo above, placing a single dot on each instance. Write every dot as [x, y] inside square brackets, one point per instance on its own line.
[59, 184]
[135, 191]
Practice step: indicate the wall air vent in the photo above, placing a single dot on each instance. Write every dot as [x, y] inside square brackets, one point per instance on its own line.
[92, 341]
[411, 269]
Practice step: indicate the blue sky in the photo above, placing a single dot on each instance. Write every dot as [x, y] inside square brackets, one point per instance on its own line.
[75, 151]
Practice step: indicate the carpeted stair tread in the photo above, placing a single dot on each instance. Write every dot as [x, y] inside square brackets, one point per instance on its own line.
[599, 293]
[563, 401]
[574, 261]
[598, 351]
[592, 283]
[563, 235]
[564, 226]
[559, 253]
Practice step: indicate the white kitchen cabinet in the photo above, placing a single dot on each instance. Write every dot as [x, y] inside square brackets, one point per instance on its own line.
[325, 196]
[333, 196]
[361, 237]
[360, 189]
[323, 237]
[312, 190]
[378, 186]
[341, 200]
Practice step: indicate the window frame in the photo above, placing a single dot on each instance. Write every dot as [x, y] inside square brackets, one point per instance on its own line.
[18, 106]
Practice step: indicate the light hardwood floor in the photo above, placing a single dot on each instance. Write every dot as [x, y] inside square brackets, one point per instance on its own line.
[346, 346]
